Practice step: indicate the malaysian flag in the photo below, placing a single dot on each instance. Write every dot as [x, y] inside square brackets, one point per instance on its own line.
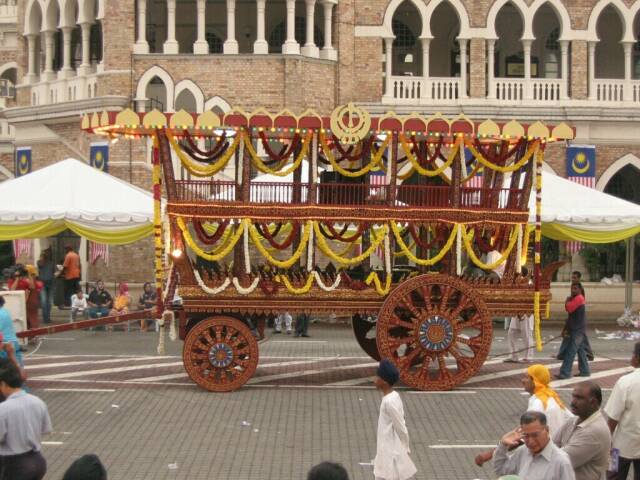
[97, 250]
[581, 168]
[22, 246]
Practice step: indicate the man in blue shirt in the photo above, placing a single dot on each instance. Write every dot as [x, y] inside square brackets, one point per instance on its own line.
[9, 346]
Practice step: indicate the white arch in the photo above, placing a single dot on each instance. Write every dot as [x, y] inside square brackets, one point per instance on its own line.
[100, 12]
[458, 7]
[86, 12]
[156, 71]
[219, 102]
[625, 18]
[561, 12]
[67, 18]
[49, 22]
[615, 167]
[527, 19]
[195, 91]
[30, 22]
[391, 9]
[7, 66]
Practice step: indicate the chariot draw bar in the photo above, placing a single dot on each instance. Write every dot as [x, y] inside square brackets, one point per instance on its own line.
[417, 227]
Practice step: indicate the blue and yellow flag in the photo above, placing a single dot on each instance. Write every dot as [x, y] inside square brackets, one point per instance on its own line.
[99, 155]
[581, 161]
[23, 161]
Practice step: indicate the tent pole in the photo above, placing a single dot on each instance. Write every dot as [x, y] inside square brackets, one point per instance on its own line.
[628, 288]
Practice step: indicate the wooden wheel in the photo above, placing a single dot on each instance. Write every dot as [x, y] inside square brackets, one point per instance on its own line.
[220, 354]
[436, 329]
[364, 331]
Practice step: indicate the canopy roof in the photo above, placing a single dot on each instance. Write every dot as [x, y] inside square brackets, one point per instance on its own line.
[71, 194]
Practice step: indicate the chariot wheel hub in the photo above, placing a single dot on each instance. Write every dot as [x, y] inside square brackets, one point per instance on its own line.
[221, 355]
[435, 333]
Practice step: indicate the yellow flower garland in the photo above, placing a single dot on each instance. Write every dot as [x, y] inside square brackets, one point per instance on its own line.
[255, 236]
[509, 168]
[429, 261]
[488, 266]
[322, 243]
[257, 161]
[373, 165]
[381, 290]
[423, 171]
[296, 291]
[200, 170]
[222, 251]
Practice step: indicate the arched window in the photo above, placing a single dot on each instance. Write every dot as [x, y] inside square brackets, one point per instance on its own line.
[407, 50]
[156, 94]
[215, 42]
[96, 42]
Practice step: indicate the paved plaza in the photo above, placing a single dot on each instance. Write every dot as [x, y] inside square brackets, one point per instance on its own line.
[311, 400]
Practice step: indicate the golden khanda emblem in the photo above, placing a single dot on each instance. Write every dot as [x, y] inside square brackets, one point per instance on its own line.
[349, 123]
[580, 163]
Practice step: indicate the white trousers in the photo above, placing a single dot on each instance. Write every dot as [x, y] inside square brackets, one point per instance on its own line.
[521, 327]
[288, 321]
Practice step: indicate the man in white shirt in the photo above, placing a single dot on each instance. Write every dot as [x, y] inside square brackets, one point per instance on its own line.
[623, 410]
[537, 457]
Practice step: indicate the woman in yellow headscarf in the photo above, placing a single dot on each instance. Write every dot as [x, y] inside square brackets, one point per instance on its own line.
[544, 398]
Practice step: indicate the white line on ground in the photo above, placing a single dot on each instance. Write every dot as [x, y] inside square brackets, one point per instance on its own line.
[86, 390]
[298, 341]
[462, 446]
[60, 339]
[443, 392]
[604, 373]
[90, 362]
[52, 443]
[281, 376]
[105, 371]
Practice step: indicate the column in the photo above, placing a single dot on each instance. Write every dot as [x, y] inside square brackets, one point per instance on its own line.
[463, 67]
[328, 52]
[260, 46]
[85, 66]
[426, 43]
[66, 49]
[31, 61]
[388, 59]
[310, 49]
[230, 46]
[200, 46]
[290, 46]
[141, 45]
[592, 70]
[491, 53]
[171, 46]
[564, 65]
[49, 39]
[627, 92]
[526, 46]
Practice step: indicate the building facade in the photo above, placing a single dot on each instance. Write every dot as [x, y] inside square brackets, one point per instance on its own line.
[553, 60]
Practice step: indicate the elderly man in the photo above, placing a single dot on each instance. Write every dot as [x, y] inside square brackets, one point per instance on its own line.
[623, 410]
[538, 458]
[586, 437]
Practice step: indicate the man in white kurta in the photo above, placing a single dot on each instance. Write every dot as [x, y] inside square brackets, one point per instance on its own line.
[392, 460]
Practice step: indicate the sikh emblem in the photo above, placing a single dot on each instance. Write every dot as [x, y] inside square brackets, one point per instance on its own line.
[349, 123]
[580, 163]
[98, 160]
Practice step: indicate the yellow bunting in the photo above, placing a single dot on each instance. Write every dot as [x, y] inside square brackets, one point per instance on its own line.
[380, 289]
[424, 171]
[201, 170]
[322, 243]
[375, 160]
[479, 263]
[257, 161]
[420, 261]
[221, 252]
[509, 168]
[255, 236]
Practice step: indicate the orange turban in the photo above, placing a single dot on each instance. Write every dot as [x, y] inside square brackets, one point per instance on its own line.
[541, 378]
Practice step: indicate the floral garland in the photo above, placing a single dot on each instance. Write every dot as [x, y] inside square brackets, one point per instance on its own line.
[310, 251]
[519, 247]
[246, 291]
[322, 243]
[375, 159]
[281, 263]
[510, 168]
[459, 252]
[525, 245]
[380, 289]
[423, 171]
[488, 266]
[294, 233]
[209, 290]
[245, 249]
[207, 154]
[429, 261]
[322, 285]
[219, 254]
[204, 236]
[292, 289]
[199, 170]
[260, 165]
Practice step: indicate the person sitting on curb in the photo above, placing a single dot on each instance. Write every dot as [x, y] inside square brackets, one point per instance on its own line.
[100, 301]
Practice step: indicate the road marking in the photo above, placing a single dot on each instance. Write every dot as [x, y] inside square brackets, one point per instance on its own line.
[59, 339]
[462, 446]
[89, 362]
[88, 390]
[604, 373]
[442, 392]
[105, 371]
[282, 376]
[52, 443]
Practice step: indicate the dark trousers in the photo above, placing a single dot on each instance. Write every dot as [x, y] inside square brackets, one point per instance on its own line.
[27, 466]
[624, 465]
[576, 346]
[46, 299]
[302, 324]
[70, 287]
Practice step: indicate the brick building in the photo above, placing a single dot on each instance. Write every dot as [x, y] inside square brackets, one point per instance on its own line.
[554, 60]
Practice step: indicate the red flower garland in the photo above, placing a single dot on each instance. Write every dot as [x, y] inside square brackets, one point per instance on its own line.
[264, 232]
[212, 154]
[203, 236]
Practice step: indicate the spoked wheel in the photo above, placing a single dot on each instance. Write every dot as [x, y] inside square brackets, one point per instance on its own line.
[436, 329]
[220, 354]
[365, 331]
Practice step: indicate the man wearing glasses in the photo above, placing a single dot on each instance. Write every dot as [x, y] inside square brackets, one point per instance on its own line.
[533, 455]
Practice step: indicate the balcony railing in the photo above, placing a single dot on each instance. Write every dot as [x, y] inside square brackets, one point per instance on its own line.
[608, 90]
[518, 89]
[286, 193]
[80, 87]
[410, 89]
